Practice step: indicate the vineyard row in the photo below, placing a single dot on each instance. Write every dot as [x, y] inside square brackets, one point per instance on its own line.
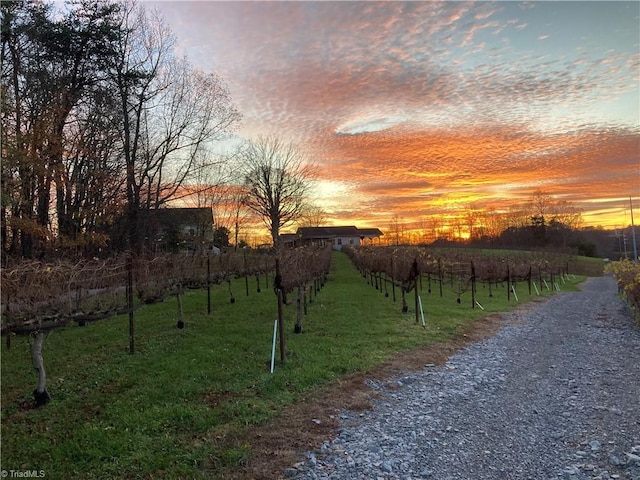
[42, 296]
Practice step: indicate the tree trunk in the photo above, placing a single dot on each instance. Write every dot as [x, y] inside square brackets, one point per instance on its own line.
[40, 394]
[180, 323]
[298, 325]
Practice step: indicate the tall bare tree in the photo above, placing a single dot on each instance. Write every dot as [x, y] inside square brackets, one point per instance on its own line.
[99, 115]
[52, 63]
[170, 112]
[277, 178]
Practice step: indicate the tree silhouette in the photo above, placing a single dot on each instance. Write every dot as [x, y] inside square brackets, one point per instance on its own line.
[277, 178]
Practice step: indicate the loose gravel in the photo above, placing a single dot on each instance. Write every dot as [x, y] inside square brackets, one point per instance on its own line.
[554, 395]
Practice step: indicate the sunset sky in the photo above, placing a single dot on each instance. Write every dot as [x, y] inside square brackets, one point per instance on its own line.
[418, 109]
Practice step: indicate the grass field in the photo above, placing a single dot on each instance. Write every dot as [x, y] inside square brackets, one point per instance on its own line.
[178, 407]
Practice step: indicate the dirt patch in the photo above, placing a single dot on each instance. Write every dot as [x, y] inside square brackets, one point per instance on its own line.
[314, 419]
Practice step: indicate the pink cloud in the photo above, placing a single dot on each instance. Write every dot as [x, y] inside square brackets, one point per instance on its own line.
[417, 102]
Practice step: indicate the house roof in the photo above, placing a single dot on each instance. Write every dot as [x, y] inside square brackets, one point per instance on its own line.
[288, 237]
[182, 216]
[341, 231]
[370, 232]
[155, 222]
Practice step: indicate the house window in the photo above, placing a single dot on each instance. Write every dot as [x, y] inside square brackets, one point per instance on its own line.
[339, 240]
[351, 241]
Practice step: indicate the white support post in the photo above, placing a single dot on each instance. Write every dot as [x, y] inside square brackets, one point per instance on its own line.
[273, 345]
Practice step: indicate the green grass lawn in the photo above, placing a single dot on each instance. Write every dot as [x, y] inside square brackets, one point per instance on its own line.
[172, 409]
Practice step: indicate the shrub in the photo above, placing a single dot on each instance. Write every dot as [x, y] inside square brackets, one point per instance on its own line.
[627, 275]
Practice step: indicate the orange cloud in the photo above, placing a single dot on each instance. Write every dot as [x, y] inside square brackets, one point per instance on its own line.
[419, 108]
[415, 172]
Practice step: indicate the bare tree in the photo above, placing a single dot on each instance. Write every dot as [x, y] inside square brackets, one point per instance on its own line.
[237, 196]
[568, 214]
[516, 217]
[277, 178]
[471, 219]
[541, 204]
[312, 216]
[216, 187]
[99, 115]
[493, 223]
[52, 68]
[397, 230]
[434, 226]
[170, 112]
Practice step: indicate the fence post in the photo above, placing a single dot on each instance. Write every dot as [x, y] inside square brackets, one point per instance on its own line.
[278, 287]
[208, 285]
[473, 285]
[415, 288]
[180, 323]
[393, 280]
[246, 275]
[298, 325]
[130, 301]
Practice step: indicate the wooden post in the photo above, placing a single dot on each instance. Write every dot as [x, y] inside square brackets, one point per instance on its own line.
[304, 297]
[415, 288]
[277, 285]
[6, 311]
[232, 297]
[40, 394]
[246, 275]
[473, 285]
[281, 327]
[298, 326]
[130, 302]
[180, 323]
[393, 281]
[540, 277]
[208, 285]
[405, 307]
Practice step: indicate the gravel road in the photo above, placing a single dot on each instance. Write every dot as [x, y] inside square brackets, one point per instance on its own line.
[554, 395]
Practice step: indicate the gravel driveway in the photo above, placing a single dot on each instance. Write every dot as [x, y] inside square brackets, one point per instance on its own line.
[555, 395]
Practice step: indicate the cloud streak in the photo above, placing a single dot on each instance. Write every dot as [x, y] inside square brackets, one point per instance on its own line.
[416, 105]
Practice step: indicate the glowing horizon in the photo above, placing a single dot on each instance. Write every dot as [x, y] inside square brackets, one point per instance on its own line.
[415, 109]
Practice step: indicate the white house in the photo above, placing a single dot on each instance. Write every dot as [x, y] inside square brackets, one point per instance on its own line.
[336, 236]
